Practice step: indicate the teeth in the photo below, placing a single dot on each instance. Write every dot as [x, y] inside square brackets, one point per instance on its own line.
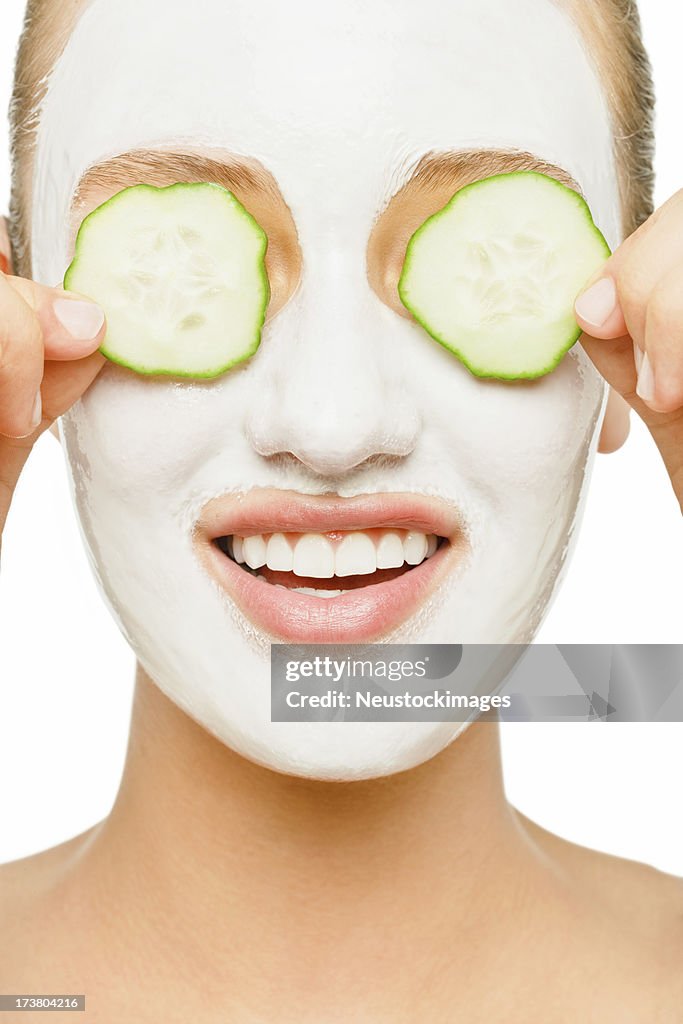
[355, 556]
[279, 553]
[317, 593]
[414, 548]
[358, 553]
[254, 551]
[390, 552]
[314, 556]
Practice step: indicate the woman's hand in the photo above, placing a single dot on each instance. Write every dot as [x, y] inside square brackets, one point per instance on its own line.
[48, 357]
[632, 318]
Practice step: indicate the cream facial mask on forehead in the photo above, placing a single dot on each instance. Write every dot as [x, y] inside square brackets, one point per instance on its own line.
[304, 80]
[344, 398]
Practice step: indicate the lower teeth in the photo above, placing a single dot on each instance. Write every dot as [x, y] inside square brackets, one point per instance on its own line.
[299, 590]
[317, 593]
[305, 590]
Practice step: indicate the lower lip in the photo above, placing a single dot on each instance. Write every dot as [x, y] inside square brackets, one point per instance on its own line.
[360, 615]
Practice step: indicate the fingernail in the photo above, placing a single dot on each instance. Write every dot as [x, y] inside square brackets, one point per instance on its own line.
[598, 302]
[37, 412]
[637, 356]
[80, 319]
[646, 380]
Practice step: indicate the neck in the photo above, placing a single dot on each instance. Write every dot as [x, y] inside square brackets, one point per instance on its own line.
[228, 856]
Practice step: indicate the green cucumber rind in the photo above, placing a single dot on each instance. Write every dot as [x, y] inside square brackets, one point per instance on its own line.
[478, 371]
[88, 223]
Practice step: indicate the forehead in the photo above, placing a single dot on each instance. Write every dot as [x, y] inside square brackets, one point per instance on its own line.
[338, 100]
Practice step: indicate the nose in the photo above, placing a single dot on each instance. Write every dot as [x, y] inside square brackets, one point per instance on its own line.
[333, 396]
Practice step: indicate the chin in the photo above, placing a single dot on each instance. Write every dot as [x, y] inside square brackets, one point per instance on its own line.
[345, 751]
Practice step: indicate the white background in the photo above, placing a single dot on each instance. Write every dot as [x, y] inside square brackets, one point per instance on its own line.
[66, 675]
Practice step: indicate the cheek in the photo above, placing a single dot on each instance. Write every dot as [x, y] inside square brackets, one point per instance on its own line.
[499, 435]
[146, 437]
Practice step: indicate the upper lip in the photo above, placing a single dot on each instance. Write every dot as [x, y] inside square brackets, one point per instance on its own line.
[269, 510]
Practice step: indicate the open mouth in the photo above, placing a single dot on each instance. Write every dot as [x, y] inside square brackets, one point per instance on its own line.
[328, 569]
[327, 565]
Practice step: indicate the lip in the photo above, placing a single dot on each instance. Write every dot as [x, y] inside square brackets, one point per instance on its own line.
[361, 615]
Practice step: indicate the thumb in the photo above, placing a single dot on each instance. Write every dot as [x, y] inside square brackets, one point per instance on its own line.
[597, 309]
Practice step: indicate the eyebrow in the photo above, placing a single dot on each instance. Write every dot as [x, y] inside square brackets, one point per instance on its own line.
[436, 170]
[163, 167]
[433, 171]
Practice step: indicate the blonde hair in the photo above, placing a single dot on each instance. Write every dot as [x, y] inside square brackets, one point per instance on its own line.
[611, 30]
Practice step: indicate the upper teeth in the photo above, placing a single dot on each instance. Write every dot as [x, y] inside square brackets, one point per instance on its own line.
[350, 554]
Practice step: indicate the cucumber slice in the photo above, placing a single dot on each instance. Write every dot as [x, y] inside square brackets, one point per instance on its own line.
[493, 276]
[180, 273]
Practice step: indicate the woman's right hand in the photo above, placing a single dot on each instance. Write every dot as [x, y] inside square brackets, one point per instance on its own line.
[48, 357]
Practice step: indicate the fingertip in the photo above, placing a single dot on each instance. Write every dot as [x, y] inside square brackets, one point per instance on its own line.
[74, 327]
[613, 327]
[667, 397]
[599, 316]
[616, 424]
[597, 309]
[81, 318]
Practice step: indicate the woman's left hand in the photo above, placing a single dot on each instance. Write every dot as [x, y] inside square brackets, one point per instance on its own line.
[632, 318]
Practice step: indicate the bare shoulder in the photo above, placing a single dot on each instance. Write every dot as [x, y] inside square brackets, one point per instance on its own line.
[636, 923]
[651, 899]
[27, 905]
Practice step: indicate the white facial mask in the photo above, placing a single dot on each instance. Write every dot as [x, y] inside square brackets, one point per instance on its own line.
[337, 100]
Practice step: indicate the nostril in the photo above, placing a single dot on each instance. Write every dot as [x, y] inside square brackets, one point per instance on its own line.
[331, 455]
[327, 461]
[334, 433]
[326, 466]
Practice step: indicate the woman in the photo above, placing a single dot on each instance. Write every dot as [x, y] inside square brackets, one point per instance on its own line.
[253, 870]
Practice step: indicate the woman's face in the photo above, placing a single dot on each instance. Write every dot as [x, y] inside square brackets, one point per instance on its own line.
[349, 418]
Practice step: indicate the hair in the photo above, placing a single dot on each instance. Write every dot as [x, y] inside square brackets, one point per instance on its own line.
[611, 30]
